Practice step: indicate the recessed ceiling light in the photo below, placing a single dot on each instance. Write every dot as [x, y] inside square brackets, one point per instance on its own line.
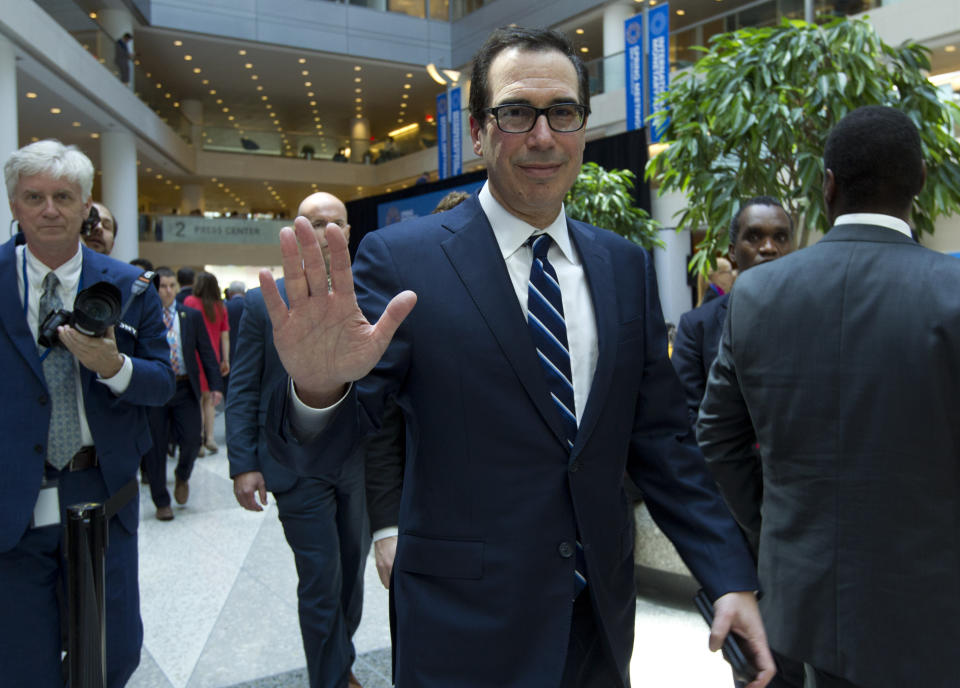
[55, 111]
[241, 52]
[31, 94]
[94, 135]
[205, 82]
[76, 124]
[409, 75]
[406, 95]
[680, 13]
[196, 70]
[310, 94]
[226, 109]
[358, 100]
[93, 15]
[358, 90]
[313, 103]
[264, 97]
[305, 72]
[254, 77]
[269, 106]
[406, 85]
[357, 80]
[579, 32]
[302, 60]
[219, 101]
[213, 91]
[403, 105]
[584, 49]
[259, 88]
[357, 68]
[308, 84]
[949, 48]
[178, 43]
[248, 65]
[188, 57]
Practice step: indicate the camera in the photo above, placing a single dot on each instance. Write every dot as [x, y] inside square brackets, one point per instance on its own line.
[94, 310]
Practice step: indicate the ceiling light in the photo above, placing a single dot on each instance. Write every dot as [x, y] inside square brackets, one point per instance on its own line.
[241, 52]
[264, 97]
[305, 72]
[406, 95]
[313, 103]
[316, 119]
[404, 130]
[213, 91]
[310, 94]
[196, 70]
[409, 75]
[357, 68]
[248, 65]
[166, 95]
[94, 135]
[584, 49]
[205, 82]
[259, 88]
[178, 43]
[176, 104]
[358, 90]
[680, 13]
[949, 48]
[269, 106]
[226, 109]
[93, 15]
[579, 32]
[403, 105]
[358, 100]
[55, 111]
[219, 101]
[406, 85]
[76, 124]
[31, 94]
[254, 77]
[302, 60]
[188, 57]
[308, 84]
[357, 80]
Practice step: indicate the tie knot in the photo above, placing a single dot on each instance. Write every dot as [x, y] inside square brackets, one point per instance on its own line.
[50, 282]
[540, 244]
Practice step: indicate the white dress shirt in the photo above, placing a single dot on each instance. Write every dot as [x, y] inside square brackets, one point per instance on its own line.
[69, 276]
[888, 221]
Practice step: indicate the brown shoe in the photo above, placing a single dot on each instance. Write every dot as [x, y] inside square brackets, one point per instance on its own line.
[181, 491]
[164, 513]
[353, 682]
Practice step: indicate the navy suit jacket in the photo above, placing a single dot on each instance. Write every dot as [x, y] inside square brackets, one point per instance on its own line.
[234, 306]
[195, 340]
[695, 347]
[492, 498]
[118, 423]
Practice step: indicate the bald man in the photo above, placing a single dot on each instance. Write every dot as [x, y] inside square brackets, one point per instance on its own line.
[324, 518]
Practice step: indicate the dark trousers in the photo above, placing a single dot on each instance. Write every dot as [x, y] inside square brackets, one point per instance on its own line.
[33, 582]
[587, 664]
[325, 523]
[182, 412]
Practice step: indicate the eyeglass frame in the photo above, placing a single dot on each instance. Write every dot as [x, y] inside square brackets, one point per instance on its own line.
[495, 111]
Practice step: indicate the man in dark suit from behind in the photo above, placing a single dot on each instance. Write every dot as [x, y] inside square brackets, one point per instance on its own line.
[73, 418]
[185, 277]
[186, 337]
[514, 549]
[323, 517]
[234, 305]
[760, 231]
[843, 362]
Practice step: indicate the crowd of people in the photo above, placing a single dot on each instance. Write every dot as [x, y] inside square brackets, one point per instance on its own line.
[467, 397]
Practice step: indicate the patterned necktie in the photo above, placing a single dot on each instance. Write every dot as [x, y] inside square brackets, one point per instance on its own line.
[172, 342]
[63, 435]
[549, 330]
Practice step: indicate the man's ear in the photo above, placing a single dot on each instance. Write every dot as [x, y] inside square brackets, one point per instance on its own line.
[475, 128]
[829, 187]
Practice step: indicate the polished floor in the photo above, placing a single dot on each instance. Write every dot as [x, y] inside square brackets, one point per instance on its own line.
[218, 600]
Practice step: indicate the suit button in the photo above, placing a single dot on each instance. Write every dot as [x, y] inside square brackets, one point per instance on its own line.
[42, 400]
[38, 448]
[575, 466]
[566, 550]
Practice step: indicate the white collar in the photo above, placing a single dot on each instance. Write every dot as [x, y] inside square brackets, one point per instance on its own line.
[511, 232]
[68, 273]
[888, 221]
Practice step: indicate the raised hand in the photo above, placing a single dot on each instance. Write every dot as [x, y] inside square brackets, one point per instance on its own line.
[323, 339]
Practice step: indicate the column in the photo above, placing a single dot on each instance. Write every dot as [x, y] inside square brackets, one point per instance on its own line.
[614, 16]
[9, 135]
[193, 111]
[191, 198]
[671, 262]
[359, 138]
[118, 163]
[117, 22]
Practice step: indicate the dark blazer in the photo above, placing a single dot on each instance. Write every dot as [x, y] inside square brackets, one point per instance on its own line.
[695, 347]
[194, 340]
[492, 499]
[182, 294]
[845, 357]
[118, 423]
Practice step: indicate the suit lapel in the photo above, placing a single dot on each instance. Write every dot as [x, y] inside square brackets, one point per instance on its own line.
[599, 274]
[12, 318]
[474, 254]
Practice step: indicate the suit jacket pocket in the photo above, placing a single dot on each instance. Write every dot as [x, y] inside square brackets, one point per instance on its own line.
[438, 557]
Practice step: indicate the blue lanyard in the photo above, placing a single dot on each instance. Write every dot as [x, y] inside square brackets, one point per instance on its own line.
[26, 296]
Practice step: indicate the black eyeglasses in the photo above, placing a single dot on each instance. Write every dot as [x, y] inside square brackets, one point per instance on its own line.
[519, 119]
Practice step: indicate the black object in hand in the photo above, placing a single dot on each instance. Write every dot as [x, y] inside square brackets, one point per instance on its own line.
[734, 648]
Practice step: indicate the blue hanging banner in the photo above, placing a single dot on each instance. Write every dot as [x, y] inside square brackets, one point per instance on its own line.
[659, 51]
[633, 35]
[443, 136]
[456, 133]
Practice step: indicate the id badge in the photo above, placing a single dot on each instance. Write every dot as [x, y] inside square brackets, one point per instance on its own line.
[47, 510]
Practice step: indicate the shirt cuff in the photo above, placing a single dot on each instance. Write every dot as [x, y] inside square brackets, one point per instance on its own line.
[118, 383]
[384, 533]
[308, 421]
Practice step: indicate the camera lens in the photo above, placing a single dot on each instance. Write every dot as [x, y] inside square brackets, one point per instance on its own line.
[96, 308]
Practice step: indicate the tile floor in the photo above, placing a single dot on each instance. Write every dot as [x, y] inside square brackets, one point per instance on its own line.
[218, 600]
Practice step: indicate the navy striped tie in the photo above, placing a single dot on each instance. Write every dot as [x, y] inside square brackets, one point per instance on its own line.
[549, 330]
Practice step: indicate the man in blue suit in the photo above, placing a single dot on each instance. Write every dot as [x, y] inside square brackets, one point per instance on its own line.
[323, 516]
[531, 377]
[75, 417]
[186, 337]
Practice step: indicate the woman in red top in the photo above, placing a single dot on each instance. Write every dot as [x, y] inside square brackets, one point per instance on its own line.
[206, 299]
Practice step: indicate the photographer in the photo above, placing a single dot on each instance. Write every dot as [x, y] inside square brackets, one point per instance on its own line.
[74, 418]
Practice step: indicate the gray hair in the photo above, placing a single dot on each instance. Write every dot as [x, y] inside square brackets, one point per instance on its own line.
[52, 158]
[237, 287]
